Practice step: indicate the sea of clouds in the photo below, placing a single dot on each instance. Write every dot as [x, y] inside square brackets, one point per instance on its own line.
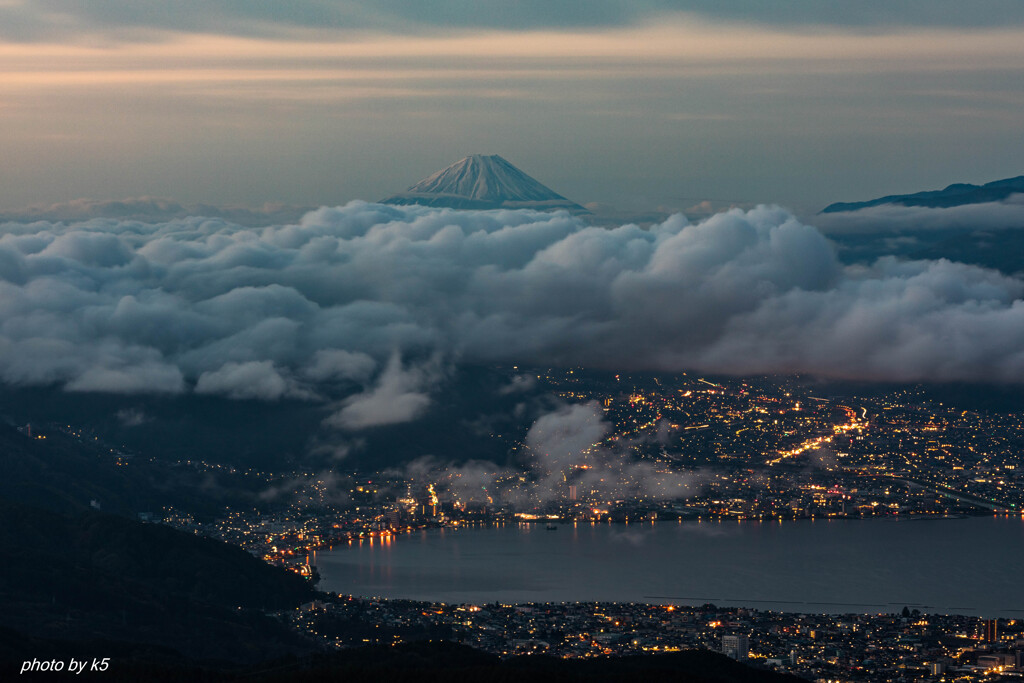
[368, 306]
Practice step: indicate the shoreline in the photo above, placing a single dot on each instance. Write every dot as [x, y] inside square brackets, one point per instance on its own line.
[805, 568]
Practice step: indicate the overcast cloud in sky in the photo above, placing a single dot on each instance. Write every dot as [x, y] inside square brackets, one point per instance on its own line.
[635, 104]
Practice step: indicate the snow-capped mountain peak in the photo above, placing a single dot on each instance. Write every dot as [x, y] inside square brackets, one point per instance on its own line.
[483, 181]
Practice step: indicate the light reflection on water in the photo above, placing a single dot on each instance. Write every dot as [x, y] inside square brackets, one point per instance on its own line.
[970, 566]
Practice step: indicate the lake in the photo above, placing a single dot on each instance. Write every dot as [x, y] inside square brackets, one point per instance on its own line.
[967, 566]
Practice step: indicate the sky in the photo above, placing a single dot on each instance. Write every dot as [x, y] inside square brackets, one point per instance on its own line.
[124, 122]
[637, 105]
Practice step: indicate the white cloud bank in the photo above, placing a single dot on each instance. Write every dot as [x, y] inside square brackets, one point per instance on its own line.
[895, 218]
[317, 308]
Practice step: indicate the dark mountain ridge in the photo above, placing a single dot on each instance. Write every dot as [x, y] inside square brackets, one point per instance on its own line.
[93, 576]
[957, 194]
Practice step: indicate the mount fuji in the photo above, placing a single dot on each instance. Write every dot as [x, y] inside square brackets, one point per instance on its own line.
[484, 181]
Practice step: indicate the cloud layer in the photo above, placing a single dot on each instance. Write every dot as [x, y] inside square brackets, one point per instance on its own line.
[895, 218]
[370, 302]
[149, 210]
[40, 19]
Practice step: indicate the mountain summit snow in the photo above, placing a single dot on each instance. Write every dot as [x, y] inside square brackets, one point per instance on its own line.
[484, 181]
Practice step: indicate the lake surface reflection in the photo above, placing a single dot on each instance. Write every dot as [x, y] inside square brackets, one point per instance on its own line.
[967, 566]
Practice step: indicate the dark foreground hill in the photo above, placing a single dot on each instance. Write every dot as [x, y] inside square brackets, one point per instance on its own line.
[421, 662]
[92, 576]
[450, 662]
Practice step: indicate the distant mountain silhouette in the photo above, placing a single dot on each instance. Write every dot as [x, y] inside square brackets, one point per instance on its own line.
[483, 181]
[957, 194]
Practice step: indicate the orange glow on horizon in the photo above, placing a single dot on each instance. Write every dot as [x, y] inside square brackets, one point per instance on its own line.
[671, 47]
